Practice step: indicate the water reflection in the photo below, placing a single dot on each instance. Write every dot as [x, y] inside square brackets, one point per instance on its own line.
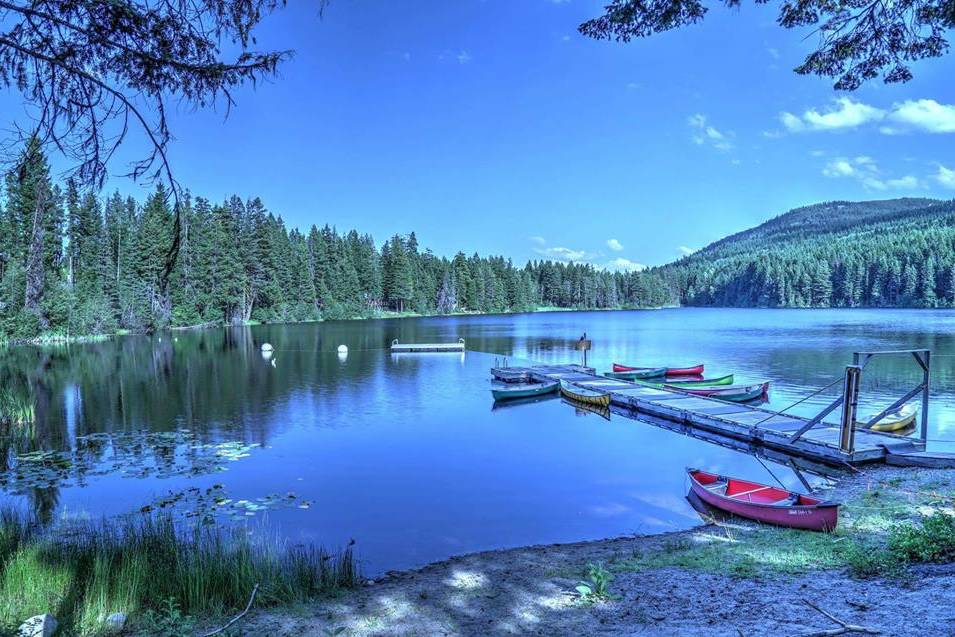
[407, 453]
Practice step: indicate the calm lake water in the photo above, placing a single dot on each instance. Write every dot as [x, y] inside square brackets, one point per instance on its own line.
[404, 454]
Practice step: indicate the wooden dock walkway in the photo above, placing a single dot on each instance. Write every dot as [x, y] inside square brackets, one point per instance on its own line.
[731, 420]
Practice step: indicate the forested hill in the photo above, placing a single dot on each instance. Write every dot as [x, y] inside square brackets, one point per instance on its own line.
[892, 253]
[72, 263]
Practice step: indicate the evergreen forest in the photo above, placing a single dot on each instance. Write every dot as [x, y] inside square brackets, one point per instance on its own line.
[74, 264]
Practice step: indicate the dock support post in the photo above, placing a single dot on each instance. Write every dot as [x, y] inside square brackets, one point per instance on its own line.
[849, 403]
[925, 362]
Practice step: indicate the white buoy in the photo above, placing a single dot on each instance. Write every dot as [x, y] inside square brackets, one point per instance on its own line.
[342, 349]
[266, 347]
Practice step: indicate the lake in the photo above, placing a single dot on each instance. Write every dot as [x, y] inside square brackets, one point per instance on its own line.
[405, 454]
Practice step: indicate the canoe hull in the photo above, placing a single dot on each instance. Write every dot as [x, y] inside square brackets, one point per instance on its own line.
[896, 421]
[706, 382]
[696, 370]
[523, 391]
[638, 374]
[585, 396]
[818, 516]
[738, 394]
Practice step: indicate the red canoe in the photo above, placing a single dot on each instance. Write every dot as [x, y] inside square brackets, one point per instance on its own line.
[764, 503]
[696, 370]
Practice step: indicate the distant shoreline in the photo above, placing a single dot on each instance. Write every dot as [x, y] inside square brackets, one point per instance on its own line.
[59, 339]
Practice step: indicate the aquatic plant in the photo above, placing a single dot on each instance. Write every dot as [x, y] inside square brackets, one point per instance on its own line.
[83, 571]
[162, 454]
[211, 502]
[16, 411]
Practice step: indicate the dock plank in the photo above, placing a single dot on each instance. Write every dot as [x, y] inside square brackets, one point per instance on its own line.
[709, 417]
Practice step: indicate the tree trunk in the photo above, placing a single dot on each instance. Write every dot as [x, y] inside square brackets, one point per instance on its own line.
[35, 274]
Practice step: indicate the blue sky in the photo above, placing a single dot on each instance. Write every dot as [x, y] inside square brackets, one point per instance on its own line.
[492, 126]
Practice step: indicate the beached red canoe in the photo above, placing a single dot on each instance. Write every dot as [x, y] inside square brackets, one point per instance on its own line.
[772, 505]
[696, 370]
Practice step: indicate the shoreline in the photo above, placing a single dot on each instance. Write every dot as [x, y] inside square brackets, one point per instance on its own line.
[44, 340]
[672, 583]
[58, 339]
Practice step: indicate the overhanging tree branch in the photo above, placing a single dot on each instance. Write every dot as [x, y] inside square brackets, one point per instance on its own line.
[91, 67]
[858, 39]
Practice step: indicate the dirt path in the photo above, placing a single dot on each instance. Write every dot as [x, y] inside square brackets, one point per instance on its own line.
[531, 591]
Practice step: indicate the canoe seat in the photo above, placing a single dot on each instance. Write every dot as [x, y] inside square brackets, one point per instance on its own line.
[718, 486]
[750, 492]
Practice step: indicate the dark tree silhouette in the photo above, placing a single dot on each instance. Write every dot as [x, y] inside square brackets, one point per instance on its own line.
[858, 39]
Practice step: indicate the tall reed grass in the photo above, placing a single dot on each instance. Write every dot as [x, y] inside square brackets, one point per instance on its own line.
[82, 572]
[16, 411]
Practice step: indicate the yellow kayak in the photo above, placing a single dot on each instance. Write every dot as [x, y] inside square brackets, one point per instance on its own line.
[586, 396]
[901, 418]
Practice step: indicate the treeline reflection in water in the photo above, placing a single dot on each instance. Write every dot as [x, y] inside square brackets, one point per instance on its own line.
[367, 440]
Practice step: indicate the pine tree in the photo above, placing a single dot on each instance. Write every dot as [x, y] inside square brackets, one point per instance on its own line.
[447, 300]
[153, 241]
[228, 272]
[399, 282]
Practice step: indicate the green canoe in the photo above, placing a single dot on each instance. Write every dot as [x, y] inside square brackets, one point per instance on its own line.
[505, 391]
[638, 374]
[705, 382]
[734, 393]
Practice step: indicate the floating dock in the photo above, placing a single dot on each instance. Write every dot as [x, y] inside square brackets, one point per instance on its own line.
[790, 435]
[411, 348]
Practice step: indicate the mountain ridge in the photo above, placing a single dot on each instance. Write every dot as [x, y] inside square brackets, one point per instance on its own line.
[890, 252]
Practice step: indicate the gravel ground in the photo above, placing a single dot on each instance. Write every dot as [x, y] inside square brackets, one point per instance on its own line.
[530, 591]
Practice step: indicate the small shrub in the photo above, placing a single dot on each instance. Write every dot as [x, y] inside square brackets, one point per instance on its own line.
[597, 586]
[870, 561]
[168, 620]
[933, 541]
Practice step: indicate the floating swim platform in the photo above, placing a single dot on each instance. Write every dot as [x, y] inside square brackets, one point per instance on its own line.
[413, 348]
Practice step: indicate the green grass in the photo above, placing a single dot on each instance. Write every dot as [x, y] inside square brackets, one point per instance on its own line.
[743, 553]
[82, 572]
[880, 533]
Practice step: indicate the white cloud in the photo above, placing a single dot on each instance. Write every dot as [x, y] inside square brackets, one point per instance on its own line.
[561, 254]
[704, 133]
[909, 182]
[839, 168]
[923, 115]
[686, 251]
[565, 38]
[791, 123]
[773, 53]
[539, 240]
[463, 57]
[866, 171]
[945, 176]
[614, 245]
[845, 113]
[625, 265]
[926, 115]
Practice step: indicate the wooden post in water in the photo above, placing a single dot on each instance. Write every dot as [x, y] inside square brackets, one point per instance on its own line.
[849, 404]
[926, 363]
[583, 345]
